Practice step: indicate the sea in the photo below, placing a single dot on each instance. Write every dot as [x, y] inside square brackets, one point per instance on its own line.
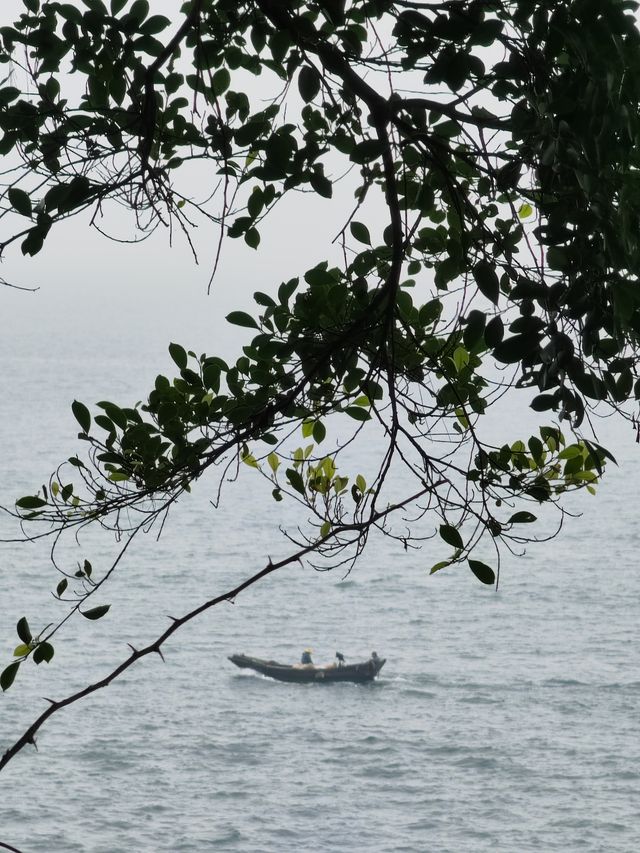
[502, 721]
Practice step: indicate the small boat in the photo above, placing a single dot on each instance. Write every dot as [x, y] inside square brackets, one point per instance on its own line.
[358, 673]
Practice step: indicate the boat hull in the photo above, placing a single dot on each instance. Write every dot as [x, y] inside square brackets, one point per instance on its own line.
[356, 673]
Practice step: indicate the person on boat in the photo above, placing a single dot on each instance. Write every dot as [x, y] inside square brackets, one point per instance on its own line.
[306, 657]
[340, 657]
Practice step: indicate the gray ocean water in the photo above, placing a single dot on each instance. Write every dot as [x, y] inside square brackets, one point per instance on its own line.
[502, 721]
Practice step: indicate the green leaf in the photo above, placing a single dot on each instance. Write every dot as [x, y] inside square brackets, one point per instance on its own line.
[252, 239]
[274, 461]
[485, 34]
[357, 413]
[536, 448]
[597, 450]
[255, 204]
[221, 81]
[441, 565]
[8, 94]
[571, 452]
[557, 258]
[368, 150]
[451, 536]
[460, 358]
[156, 24]
[360, 232]
[21, 650]
[30, 502]
[20, 201]
[522, 517]
[96, 612]
[320, 275]
[43, 652]
[258, 38]
[8, 675]
[139, 10]
[319, 432]
[328, 466]
[61, 586]
[286, 290]
[321, 184]
[307, 429]
[211, 377]
[23, 630]
[487, 280]
[515, 348]
[525, 211]
[494, 332]
[295, 480]
[340, 484]
[543, 402]
[34, 241]
[430, 312]
[179, 355]
[279, 43]
[308, 83]
[81, 414]
[484, 573]
[241, 318]
[325, 529]
[474, 329]
[250, 460]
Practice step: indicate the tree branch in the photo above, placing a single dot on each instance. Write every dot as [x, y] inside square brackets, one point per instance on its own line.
[361, 529]
[9, 847]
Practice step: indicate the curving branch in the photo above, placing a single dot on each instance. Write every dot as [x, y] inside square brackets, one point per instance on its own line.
[359, 531]
[564, 322]
[5, 846]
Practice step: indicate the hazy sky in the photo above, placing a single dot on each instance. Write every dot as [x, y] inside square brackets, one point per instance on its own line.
[87, 279]
[114, 294]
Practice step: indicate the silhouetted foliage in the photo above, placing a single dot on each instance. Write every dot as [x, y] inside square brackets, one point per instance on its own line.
[500, 138]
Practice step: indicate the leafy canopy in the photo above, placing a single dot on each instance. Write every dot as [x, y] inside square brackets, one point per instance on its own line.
[500, 140]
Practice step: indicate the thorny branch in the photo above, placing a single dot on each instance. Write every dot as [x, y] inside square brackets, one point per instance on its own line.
[437, 389]
[28, 736]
